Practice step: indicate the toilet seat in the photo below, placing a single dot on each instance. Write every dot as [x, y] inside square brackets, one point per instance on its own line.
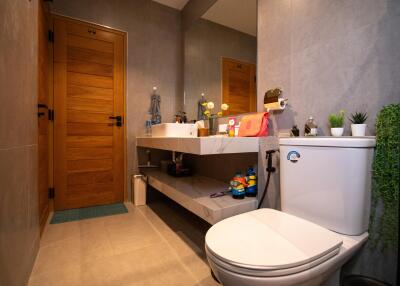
[268, 242]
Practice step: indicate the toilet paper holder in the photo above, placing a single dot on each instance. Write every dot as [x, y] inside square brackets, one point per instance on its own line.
[273, 100]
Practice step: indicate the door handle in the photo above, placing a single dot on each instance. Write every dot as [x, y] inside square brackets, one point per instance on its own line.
[42, 105]
[118, 118]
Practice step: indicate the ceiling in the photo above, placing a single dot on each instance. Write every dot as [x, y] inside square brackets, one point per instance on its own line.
[236, 14]
[176, 4]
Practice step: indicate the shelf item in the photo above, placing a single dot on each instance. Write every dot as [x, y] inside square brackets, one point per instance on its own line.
[193, 193]
[202, 145]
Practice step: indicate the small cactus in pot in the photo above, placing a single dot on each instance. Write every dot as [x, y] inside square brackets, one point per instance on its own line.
[358, 125]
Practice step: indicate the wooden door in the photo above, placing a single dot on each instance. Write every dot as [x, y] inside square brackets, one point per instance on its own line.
[43, 121]
[238, 86]
[89, 67]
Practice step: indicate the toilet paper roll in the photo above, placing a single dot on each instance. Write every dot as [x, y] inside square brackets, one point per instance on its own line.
[277, 105]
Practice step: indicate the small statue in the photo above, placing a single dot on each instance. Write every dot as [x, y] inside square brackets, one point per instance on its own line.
[155, 109]
[201, 108]
[251, 180]
[237, 186]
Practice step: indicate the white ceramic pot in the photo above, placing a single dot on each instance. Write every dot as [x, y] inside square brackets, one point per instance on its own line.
[337, 132]
[358, 129]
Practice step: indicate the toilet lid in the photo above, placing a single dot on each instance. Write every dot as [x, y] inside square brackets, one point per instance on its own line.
[268, 239]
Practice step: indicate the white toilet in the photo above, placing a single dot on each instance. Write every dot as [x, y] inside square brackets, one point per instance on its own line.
[325, 200]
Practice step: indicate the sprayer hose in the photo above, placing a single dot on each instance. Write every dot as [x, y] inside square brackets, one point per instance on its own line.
[265, 190]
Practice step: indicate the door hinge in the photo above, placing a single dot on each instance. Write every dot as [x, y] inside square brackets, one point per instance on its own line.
[51, 36]
[51, 114]
[51, 193]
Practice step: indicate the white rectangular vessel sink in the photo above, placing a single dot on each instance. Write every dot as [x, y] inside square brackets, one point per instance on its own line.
[174, 130]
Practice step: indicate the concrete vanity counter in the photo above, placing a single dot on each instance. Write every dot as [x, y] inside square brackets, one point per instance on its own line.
[202, 145]
[193, 194]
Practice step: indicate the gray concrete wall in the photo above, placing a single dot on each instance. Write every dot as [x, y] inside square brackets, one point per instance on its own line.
[205, 43]
[19, 218]
[331, 55]
[154, 56]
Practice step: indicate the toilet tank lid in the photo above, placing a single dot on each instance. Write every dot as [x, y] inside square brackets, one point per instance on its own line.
[328, 141]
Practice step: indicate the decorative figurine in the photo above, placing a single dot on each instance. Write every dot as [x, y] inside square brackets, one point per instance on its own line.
[251, 180]
[238, 184]
[201, 108]
[155, 109]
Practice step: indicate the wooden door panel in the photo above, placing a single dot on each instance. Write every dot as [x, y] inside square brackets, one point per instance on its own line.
[88, 178]
[89, 129]
[89, 141]
[90, 68]
[83, 104]
[89, 88]
[92, 44]
[91, 56]
[89, 92]
[238, 86]
[89, 153]
[88, 117]
[89, 80]
[92, 165]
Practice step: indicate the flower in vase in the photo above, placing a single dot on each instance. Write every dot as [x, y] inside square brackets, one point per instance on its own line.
[210, 105]
[224, 106]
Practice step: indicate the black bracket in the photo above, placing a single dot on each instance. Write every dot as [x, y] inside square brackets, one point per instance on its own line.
[51, 114]
[51, 193]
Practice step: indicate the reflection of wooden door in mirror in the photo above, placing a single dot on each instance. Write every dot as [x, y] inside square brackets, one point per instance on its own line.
[238, 86]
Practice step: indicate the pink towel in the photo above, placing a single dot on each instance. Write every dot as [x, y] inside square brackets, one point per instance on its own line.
[254, 125]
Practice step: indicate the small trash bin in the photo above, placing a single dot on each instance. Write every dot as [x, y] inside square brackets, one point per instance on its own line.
[139, 190]
[359, 280]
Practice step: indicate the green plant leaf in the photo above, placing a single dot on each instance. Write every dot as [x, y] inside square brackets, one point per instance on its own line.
[384, 228]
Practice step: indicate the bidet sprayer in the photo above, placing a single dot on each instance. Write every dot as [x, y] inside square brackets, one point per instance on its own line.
[270, 168]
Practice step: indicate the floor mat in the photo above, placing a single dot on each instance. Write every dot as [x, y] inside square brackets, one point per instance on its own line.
[89, 212]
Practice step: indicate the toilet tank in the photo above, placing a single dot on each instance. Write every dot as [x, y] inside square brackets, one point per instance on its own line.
[327, 180]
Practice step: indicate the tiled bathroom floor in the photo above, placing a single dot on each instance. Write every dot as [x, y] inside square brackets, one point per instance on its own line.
[137, 248]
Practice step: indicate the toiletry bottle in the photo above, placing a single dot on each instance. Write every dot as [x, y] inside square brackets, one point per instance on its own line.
[231, 126]
[295, 132]
[148, 128]
[311, 128]
[251, 180]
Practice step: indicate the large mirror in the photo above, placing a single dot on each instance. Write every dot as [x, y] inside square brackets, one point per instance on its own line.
[220, 56]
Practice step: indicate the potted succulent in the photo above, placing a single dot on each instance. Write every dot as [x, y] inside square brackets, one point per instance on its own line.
[337, 122]
[358, 125]
[212, 118]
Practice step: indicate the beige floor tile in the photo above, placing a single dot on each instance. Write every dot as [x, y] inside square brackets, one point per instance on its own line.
[78, 249]
[58, 232]
[137, 248]
[67, 275]
[153, 265]
[189, 253]
[131, 233]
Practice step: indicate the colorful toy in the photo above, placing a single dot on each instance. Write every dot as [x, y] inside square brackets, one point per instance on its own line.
[238, 184]
[251, 180]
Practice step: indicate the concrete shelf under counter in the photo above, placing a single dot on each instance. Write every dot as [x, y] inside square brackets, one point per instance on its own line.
[202, 145]
[193, 193]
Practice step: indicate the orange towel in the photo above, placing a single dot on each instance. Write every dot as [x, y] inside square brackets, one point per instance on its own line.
[254, 125]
